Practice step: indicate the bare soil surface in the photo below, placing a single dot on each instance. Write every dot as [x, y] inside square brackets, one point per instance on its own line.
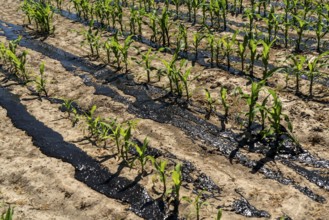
[41, 187]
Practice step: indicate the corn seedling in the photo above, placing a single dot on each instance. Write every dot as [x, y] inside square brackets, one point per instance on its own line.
[164, 24]
[253, 55]
[275, 116]
[18, 64]
[223, 99]
[197, 202]
[287, 9]
[228, 44]
[251, 100]
[141, 155]
[41, 13]
[177, 179]
[197, 38]
[242, 46]
[300, 27]
[8, 215]
[124, 50]
[160, 167]
[265, 56]
[321, 28]
[93, 122]
[211, 43]
[219, 213]
[92, 38]
[210, 104]
[147, 58]
[263, 112]
[297, 68]
[195, 6]
[182, 37]
[314, 65]
[41, 82]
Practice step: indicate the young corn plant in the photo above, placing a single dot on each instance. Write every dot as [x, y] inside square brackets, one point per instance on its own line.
[160, 167]
[321, 28]
[165, 24]
[210, 108]
[272, 25]
[153, 25]
[242, 47]
[197, 38]
[147, 59]
[251, 100]
[18, 65]
[314, 65]
[287, 8]
[198, 202]
[124, 50]
[184, 78]
[262, 108]
[297, 68]
[177, 179]
[126, 134]
[228, 45]
[182, 40]
[223, 99]
[40, 81]
[195, 6]
[93, 123]
[41, 13]
[300, 27]
[223, 10]
[211, 43]
[265, 57]
[92, 38]
[276, 116]
[142, 157]
[8, 215]
[252, 44]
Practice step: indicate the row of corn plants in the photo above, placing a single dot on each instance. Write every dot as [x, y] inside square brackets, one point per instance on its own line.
[224, 46]
[15, 63]
[39, 13]
[110, 132]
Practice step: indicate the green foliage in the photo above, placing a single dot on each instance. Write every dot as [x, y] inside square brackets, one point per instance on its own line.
[251, 100]
[242, 47]
[223, 98]
[160, 167]
[142, 157]
[176, 177]
[41, 13]
[210, 104]
[8, 215]
[276, 115]
[197, 38]
[92, 38]
[41, 82]
[197, 202]
[297, 67]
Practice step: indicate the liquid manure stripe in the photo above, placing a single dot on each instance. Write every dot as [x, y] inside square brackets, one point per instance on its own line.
[87, 170]
[160, 111]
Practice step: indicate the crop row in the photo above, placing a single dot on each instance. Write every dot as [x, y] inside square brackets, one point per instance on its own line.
[108, 132]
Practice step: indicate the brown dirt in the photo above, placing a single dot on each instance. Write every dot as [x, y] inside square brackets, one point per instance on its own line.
[40, 187]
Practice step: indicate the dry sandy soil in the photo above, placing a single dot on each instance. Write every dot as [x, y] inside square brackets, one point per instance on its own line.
[41, 187]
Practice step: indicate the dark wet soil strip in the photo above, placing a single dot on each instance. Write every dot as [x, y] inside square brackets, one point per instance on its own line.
[87, 170]
[158, 110]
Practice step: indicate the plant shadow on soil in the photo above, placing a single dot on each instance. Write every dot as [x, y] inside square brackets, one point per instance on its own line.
[164, 112]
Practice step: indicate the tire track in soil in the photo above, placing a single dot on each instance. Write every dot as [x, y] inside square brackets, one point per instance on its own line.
[160, 110]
